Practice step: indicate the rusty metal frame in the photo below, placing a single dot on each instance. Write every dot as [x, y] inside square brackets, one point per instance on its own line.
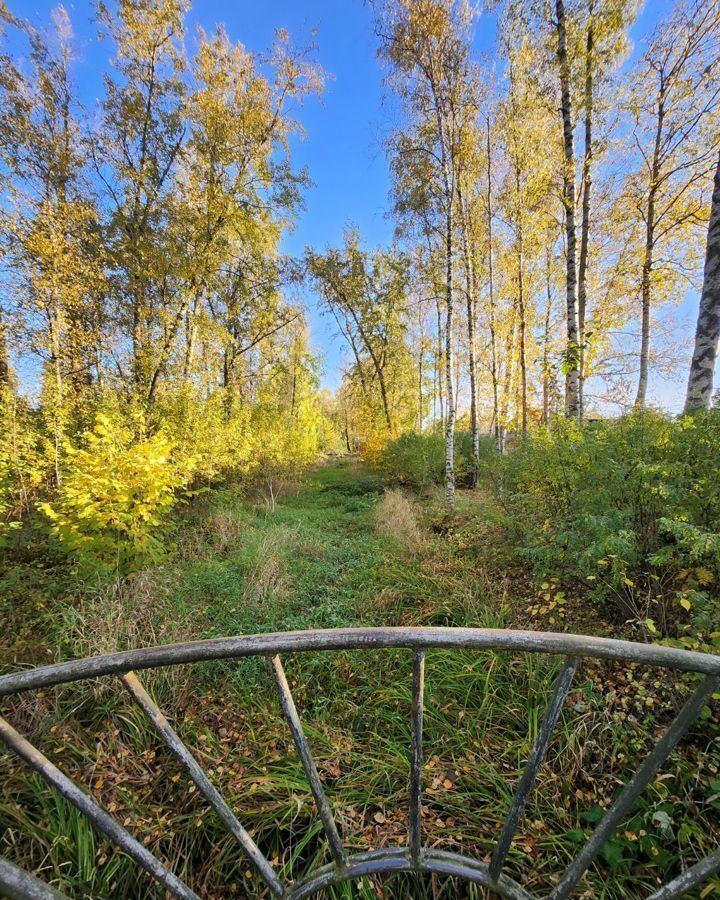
[412, 858]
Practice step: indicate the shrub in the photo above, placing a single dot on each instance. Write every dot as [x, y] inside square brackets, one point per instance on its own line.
[418, 460]
[632, 507]
[414, 459]
[116, 493]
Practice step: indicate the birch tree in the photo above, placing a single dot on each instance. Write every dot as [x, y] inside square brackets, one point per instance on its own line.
[425, 43]
[366, 293]
[572, 372]
[676, 137]
[707, 332]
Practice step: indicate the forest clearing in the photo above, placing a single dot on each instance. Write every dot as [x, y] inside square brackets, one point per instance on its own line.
[360, 449]
[341, 552]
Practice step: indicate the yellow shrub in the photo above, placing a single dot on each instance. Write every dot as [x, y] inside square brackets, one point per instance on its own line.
[115, 495]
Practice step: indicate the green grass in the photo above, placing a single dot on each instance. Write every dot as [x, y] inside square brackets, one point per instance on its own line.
[321, 560]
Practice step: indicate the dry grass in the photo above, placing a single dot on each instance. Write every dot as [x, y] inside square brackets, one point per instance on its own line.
[137, 612]
[267, 580]
[395, 519]
[222, 530]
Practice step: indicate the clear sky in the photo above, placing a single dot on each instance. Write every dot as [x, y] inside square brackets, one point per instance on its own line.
[345, 129]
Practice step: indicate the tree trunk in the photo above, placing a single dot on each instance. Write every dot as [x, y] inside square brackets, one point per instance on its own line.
[472, 348]
[58, 400]
[523, 330]
[438, 364]
[139, 336]
[546, 342]
[572, 393]
[190, 338]
[509, 375]
[585, 226]
[519, 247]
[648, 258]
[4, 359]
[421, 373]
[449, 391]
[491, 288]
[707, 332]
[347, 433]
[448, 175]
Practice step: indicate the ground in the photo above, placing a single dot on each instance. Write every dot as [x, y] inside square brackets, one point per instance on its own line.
[339, 550]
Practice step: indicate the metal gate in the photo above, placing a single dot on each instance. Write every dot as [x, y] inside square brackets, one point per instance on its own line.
[413, 857]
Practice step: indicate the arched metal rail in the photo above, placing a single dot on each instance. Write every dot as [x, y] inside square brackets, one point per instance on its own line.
[16, 883]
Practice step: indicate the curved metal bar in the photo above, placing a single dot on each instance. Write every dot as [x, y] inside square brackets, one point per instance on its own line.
[102, 820]
[460, 866]
[427, 638]
[205, 786]
[379, 862]
[691, 878]
[17, 884]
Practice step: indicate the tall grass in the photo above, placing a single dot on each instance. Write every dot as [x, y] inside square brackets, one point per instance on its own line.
[323, 558]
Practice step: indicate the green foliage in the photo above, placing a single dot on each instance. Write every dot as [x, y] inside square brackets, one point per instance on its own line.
[631, 507]
[115, 496]
[418, 460]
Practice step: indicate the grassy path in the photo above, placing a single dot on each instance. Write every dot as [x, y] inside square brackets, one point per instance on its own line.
[338, 552]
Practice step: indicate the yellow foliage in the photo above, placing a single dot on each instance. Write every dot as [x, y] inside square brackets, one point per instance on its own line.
[115, 495]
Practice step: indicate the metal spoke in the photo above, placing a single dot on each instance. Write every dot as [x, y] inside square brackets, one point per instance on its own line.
[308, 763]
[206, 788]
[416, 761]
[690, 878]
[17, 884]
[97, 815]
[635, 787]
[527, 780]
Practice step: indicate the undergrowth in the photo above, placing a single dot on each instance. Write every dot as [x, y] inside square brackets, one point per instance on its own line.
[339, 551]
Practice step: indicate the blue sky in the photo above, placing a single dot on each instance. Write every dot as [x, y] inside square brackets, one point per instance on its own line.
[345, 129]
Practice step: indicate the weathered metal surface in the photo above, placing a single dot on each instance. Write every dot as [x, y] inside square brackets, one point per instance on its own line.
[17, 884]
[412, 858]
[400, 860]
[632, 790]
[418, 690]
[308, 763]
[102, 820]
[564, 681]
[204, 785]
[689, 879]
[360, 639]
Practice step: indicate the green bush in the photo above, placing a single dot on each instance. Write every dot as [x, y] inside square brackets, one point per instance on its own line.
[414, 459]
[418, 460]
[631, 507]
